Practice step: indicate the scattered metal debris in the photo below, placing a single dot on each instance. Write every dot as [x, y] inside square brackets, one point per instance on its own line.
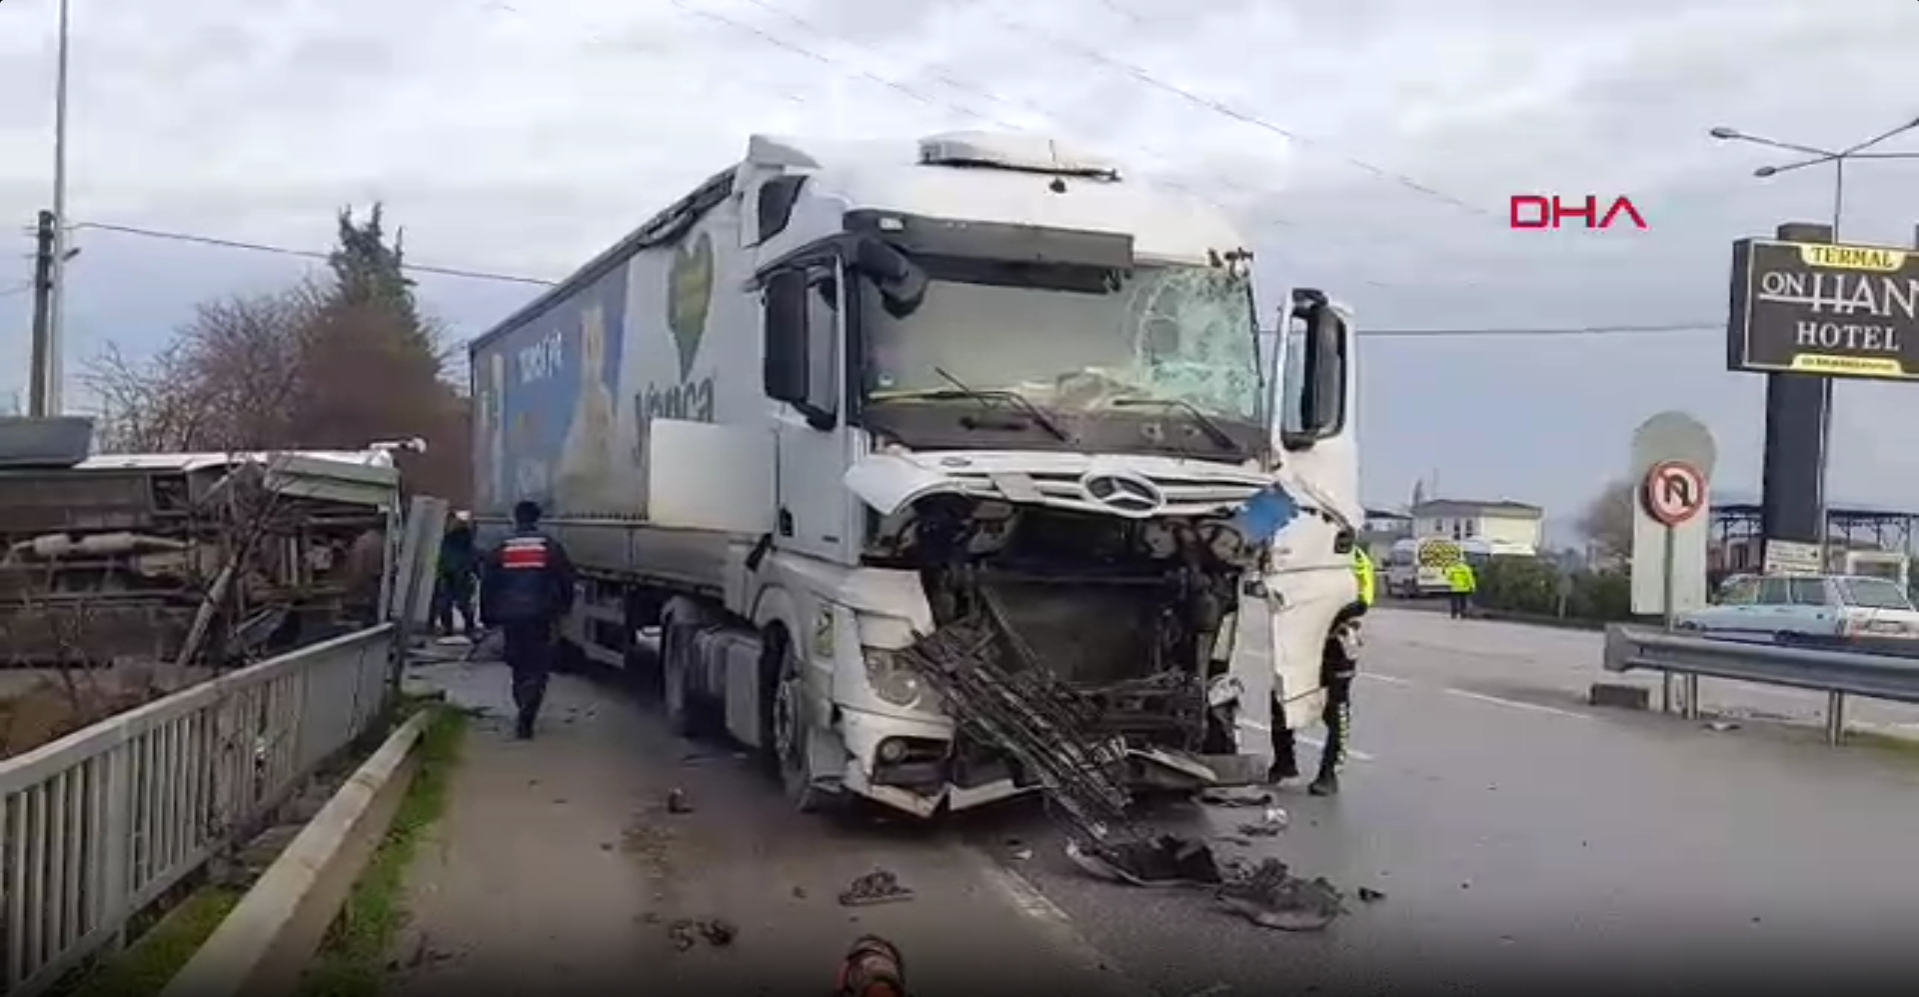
[877, 887]
[677, 803]
[1030, 714]
[1272, 897]
[1049, 730]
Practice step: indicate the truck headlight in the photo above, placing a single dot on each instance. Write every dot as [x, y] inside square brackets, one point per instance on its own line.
[891, 679]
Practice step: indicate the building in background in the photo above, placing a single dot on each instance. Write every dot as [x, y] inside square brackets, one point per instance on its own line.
[1383, 528]
[1505, 526]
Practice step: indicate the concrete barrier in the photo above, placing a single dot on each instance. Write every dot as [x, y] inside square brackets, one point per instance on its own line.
[271, 936]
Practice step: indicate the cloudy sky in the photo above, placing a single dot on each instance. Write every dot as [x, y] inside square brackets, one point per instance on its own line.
[1370, 146]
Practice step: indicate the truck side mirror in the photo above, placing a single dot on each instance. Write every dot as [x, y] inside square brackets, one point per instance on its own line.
[783, 370]
[1319, 372]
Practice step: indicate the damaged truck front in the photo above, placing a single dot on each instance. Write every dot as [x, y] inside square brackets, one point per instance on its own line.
[929, 464]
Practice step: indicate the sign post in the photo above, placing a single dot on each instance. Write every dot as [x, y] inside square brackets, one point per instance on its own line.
[1672, 460]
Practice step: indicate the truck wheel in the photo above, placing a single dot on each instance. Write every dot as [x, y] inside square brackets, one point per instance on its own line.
[681, 706]
[792, 732]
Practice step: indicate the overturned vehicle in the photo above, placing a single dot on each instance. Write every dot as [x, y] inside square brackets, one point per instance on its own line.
[192, 559]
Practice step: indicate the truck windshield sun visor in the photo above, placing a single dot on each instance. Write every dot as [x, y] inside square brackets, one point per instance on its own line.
[919, 235]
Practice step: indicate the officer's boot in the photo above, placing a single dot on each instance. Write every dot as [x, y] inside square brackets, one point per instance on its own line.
[1339, 722]
[1285, 763]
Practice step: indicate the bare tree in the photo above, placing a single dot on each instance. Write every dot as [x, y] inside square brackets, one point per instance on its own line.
[332, 364]
[1608, 518]
[225, 384]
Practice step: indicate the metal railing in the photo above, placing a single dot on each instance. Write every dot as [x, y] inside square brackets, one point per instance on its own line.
[99, 824]
[1881, 670]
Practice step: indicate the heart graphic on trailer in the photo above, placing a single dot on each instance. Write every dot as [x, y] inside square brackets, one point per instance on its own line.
[689, 296]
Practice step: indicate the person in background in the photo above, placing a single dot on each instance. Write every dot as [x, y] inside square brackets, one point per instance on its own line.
[458, 569]
[1460, 584]
[1339, 666]
[526, 589]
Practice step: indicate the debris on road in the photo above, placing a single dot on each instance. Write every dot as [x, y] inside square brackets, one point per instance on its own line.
[1164, 860]
[687, 932]
[1273, 821]
[1244, 799]
[1722, 726]
[1045, 725]
[677, 803]
[1272, 897]
[718, 932]
[1369, 895]
[877, 887]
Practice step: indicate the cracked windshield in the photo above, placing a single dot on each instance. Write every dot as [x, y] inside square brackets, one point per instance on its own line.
[1171, 334]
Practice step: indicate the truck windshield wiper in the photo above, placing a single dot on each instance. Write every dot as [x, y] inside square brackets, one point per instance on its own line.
[986, 396]
[1213, 430]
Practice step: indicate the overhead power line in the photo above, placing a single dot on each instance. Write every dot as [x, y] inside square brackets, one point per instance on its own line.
[1665, 328]
[256, 247]
[1660, 329]
[13, 289]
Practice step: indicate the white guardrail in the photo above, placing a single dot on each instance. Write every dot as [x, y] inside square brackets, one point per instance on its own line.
[99, 824]
[1885, 669]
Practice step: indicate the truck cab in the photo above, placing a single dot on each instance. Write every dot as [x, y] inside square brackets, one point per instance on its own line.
[994, 384]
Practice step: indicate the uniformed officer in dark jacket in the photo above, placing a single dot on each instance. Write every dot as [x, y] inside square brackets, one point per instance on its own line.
[1340, 665]
[526, 588]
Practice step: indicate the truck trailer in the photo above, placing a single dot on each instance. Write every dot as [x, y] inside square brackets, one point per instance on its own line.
[843, 396]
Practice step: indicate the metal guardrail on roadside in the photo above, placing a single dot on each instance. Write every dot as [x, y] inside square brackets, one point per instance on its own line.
[99, 824]
[1884, 669]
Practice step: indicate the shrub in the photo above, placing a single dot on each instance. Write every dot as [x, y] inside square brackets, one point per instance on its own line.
[1527, 585]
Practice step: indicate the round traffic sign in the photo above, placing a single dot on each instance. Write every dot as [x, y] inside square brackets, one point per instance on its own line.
[1673, 492]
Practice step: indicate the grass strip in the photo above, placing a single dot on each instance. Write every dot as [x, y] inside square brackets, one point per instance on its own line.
[151, 962]
[353, 959]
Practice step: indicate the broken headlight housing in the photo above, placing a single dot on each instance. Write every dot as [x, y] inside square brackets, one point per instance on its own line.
[891, 678]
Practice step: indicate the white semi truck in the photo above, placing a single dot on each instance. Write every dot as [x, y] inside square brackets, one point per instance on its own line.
[840, 396]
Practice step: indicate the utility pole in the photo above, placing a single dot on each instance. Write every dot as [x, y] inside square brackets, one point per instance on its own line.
[39, 399]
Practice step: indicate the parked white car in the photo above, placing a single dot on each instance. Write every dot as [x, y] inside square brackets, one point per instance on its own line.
[1807, 608]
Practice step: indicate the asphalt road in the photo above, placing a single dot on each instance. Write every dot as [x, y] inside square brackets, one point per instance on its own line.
[1556, 667]
[558, 867]
[1518, 835]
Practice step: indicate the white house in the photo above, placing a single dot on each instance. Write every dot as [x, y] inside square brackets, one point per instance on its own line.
[1508, 527]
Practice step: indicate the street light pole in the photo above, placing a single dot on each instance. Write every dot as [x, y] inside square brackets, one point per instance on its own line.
[57, 276]
[1838, 159]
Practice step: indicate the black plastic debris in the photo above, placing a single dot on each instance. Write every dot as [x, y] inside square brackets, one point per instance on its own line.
[719, 932]
[677, 803]
[686, 932]
[1272, 897]
[1234, 798]
[877, 887]
[1369, 895]
[1162, 860]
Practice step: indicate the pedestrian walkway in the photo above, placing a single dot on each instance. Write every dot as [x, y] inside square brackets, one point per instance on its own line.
[558, 866]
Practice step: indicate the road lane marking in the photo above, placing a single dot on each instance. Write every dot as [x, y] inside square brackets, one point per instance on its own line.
[1388, 679]
[1517, 704]
[1311, 741]
[1053, 922]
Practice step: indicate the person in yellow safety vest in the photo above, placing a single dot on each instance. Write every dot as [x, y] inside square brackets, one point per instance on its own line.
[1363, 572]
[1460, 584]
[1339, 664]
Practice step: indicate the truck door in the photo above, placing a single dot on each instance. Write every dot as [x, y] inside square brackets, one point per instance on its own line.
[812, 439]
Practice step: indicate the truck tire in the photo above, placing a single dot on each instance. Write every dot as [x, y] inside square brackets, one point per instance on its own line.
[684, 713]
[791, 729]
